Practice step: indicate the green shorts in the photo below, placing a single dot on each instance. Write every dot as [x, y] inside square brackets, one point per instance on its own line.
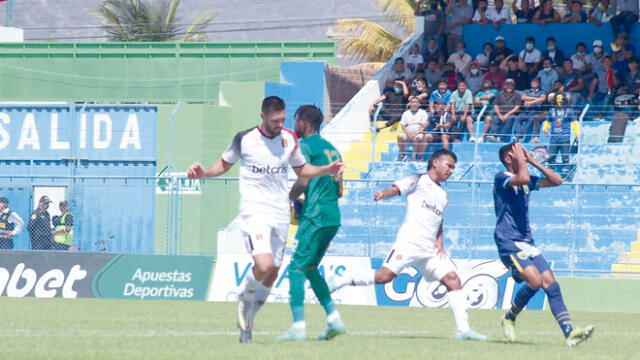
[313, 242]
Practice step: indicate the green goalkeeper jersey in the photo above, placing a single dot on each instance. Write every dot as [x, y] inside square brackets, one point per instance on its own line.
[321, 196]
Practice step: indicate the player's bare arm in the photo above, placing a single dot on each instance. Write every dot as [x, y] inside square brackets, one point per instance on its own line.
[519, 166]
[386, 193]
[298, 188]
[438, 245]
[218, 168]
[310, 171]
[551, 178]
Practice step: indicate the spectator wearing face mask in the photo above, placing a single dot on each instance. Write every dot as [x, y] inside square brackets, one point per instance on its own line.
[548, 75]
[581, 62]
[552, 52]
[415, 61]
[475, 78]
[530, 56]
[460, 59]
[596, 57]
[433, 53]
[420, 91]
[394, 100]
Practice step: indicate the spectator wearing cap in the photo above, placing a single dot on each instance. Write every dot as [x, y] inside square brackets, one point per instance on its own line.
[399, 71]
[10, 224]
[501, 51]
[515, 70]
[527, 123]
[524, 15]
[546, 14]
[627, 16]
[506, 107]
[39, 226]
[496, 75]
[597, 55]
[433, 53]
[499, 14]
[600, 12]
[530, 56]
[434, 21]
[580, 60]
[459, 13]
[475, 78]
[552, 52]
[573, 82]
[480, 16]
[460, 59]
[415, 60]
[484, 57]
[548, 75]
[576, 15]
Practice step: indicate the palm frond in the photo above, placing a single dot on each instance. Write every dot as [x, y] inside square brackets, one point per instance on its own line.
[400, 11]
[368, 41]
[194, 32]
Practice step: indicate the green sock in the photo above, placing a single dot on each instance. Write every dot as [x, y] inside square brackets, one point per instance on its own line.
[321, 290]
[296, 291]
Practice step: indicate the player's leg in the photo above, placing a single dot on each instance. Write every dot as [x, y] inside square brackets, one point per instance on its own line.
[397, 260]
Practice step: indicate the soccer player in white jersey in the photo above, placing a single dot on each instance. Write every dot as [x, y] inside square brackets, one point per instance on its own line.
[419, 241]
[265, 152]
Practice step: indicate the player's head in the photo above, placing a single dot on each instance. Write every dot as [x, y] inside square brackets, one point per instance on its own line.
[308, 120]
[441, 165]
[273, 115]
[506, 155]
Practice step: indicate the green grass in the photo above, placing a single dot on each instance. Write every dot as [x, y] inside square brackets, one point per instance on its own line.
[121, 329]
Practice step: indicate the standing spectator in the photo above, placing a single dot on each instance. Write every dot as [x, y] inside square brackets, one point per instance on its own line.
[528, 121]
[602, 87]
[573, 82]
[432, 75]
[400, 71]
[530, 56]
[496, 75]
[10, 224]
[434, 20]
[475, 78]
[524, 15]
[439, 125]
[548, 75]
[480, 16]
[627, 16]
[499, 14]
[433, 52]
[546, 14]
[577, 15]
[515, 70]
[461, 112]
[39, 226]
[552, 52]
[631, 79]
[501, 51]
[486, 97]
[601, 13]
[559, 123]
[63, 229]
[460, 59]
[484, 58]
[415, 61]
[622, 51]
[441, 93]
[393, 99]
[506, 107]
[413, 123]
[459, 12]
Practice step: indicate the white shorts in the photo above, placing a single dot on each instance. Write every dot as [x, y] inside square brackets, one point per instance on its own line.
[261, 238]
[432, 266]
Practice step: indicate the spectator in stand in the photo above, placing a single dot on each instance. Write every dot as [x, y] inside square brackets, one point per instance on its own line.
[460, 59]
[486, 96]
[627, 16]
[515, 70]
[530, 56]
[556, 55]
[501, 51]
[602, 87]
[413, 123]
[499, 14]
[450, 75]
[434, 20]
[415, 61]
[548, 75]
[480, 16]
[461, 113]
[595, 58]
[573, 82]
[419, 75]
[576, 15]
[394, 99]
[400, 71]
[527, 124]
[475, 78]
[459, 12]
[432, 75]
[496, 75]
[439, 125]
[433, 52]
[601, 12]
[506, 108]
[559, 123]
[546, 14]
[441, 93]
[420, 90]
[622, 51]
[524, 15]
[631, 79]
[484, 58]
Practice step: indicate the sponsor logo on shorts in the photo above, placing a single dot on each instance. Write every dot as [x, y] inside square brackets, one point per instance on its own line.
[270, 170]
[399, 257]
[521, 255]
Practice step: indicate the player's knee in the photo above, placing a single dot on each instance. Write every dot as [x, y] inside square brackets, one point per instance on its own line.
[451, 281]
[271, 278]
[264, 268]
[384, 276]
[534, 281]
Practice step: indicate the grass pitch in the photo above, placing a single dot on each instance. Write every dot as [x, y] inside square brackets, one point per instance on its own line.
[121, 329]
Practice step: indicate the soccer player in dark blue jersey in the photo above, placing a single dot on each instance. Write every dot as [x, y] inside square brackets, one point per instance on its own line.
[516, 247]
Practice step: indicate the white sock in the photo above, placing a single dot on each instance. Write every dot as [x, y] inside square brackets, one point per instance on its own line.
[299, 325]
[333, 317]
[249, 286]
[458, 306]
[359, 279]
[259, 298]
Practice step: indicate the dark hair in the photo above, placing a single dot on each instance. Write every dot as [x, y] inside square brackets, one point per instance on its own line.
[488, 43]
[503, 153]
[272, 104]
[530, 38]
[551, 38]
[443, 82]
[581, 44]
[633, 60]
[462, 82]
[310, 114]
[438, 154]
[536, 79]
[397, 60]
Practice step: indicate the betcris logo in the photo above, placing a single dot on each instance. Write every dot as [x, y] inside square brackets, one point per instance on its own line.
[24, 281]
[269, 170]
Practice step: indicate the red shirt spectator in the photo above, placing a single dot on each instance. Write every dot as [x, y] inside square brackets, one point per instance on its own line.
[496, 75]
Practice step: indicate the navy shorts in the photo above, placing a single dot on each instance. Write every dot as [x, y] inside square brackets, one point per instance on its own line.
[517, 262]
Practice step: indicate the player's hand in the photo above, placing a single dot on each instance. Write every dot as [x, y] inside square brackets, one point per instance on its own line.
[336, 167]
[195, 172]
[378, 195]
[439, 247]
[528, 157]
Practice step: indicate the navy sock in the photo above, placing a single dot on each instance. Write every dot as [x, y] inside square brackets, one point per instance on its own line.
[558, 308]
[522, 298]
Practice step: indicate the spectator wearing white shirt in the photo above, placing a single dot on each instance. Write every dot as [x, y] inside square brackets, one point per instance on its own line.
[415, 60]
[499, 14]
[530, 56]
[484, 58]
[460, 59]
[581, 61]
[480, 15]
[413, 123]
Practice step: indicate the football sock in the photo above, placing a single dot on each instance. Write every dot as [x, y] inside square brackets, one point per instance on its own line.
[320, 288]
[259, 298]
[458, 306]
[558, 308]
[360, 279]
[296, 291]
[522, 298]
[249, 286]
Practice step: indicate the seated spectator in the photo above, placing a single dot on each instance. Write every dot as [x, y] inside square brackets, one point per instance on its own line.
[576, 15]
[450, 75]
[556, 55]
[627, 16]
[595, 58]
[601, 12]
[432, 75]
[480, 16]
[475, 78]
[622, 51]
[441, 93]
[413, 123]
[439, 125]
[461, 113]
[524, 15]
[501, 51]
[459, 12]
[420, 90]
[460, 59]
[506, 108]
[527, 124]
[546, 14]
[483, 59]
[486, 97]
[631, 79]
[400, 72]
[559, 122]
[418, 75]
[572, 81]
[496, 75]
[603, 85]
[394, 99]
[415, 61]
[434, 21]
[547, 75]
[581, 62]
[515, 70]
[499, 14]
[433, 53]
[530, 56]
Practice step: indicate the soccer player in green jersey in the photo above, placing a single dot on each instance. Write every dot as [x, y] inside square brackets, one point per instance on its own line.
[319, 222]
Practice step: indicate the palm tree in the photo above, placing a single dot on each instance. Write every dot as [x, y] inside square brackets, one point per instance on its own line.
[368, 41]
[150, 20]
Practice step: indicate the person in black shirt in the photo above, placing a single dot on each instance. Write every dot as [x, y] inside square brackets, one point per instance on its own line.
[39, 226]
[501, 51]
[515, 71]
[552, 52]
[394, 100]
